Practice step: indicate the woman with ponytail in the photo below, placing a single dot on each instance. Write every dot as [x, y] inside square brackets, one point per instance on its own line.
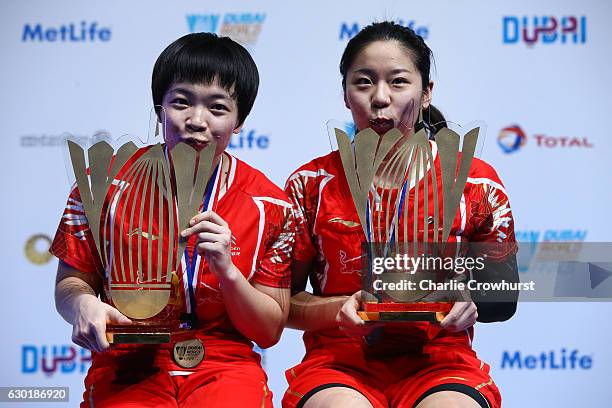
[386, 81]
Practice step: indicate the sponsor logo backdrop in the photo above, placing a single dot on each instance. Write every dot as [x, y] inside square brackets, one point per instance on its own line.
[536, 73]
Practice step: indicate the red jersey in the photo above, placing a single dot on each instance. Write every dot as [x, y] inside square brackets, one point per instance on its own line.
[258, 214]
[329, 233]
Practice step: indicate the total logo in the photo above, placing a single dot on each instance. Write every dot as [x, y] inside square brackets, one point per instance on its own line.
[55, 359]
[242, 27]
[512, 139]
[544, 30]
[249, 140]
[547, 360]
[349, 30]
[71, 32]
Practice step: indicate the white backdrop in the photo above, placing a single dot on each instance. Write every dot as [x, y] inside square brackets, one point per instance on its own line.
[556, 90]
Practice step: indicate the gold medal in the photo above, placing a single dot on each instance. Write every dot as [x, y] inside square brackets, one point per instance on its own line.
[188, 353]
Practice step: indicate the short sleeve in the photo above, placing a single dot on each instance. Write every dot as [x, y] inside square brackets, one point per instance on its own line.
[491, 216]
[274, 268]
[304, 210]
[73, 242]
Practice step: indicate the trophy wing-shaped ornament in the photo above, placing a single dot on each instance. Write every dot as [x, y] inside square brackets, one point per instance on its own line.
[136, 201]
[407, 188]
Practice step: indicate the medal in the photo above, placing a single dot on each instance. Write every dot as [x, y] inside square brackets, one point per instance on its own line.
[188, 353]
[192, 261]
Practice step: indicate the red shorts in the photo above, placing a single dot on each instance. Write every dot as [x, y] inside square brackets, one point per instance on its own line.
[229, 376]
[396, 380]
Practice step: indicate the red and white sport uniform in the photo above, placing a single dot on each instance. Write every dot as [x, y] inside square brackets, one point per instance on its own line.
[260, 218]
[409, 359]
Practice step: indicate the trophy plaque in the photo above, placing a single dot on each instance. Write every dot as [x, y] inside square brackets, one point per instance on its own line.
[136, 201]
[407, 192]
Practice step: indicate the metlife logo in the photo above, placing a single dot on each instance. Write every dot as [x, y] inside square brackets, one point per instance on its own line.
[547, 360]
[81, 32]
[249, 140]
[349, 29]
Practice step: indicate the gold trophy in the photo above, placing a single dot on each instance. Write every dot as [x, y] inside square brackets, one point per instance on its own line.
[137, 200]
[386, 174]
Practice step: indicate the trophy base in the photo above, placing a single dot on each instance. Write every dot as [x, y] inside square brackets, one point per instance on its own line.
[138, 334]
[405, 312]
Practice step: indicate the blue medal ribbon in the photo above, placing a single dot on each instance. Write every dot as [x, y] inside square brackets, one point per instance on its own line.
[190, 260]
[370, 233]
[399, 212]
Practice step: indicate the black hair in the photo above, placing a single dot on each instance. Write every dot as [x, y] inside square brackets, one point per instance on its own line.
[201, 58]
[412, 42]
